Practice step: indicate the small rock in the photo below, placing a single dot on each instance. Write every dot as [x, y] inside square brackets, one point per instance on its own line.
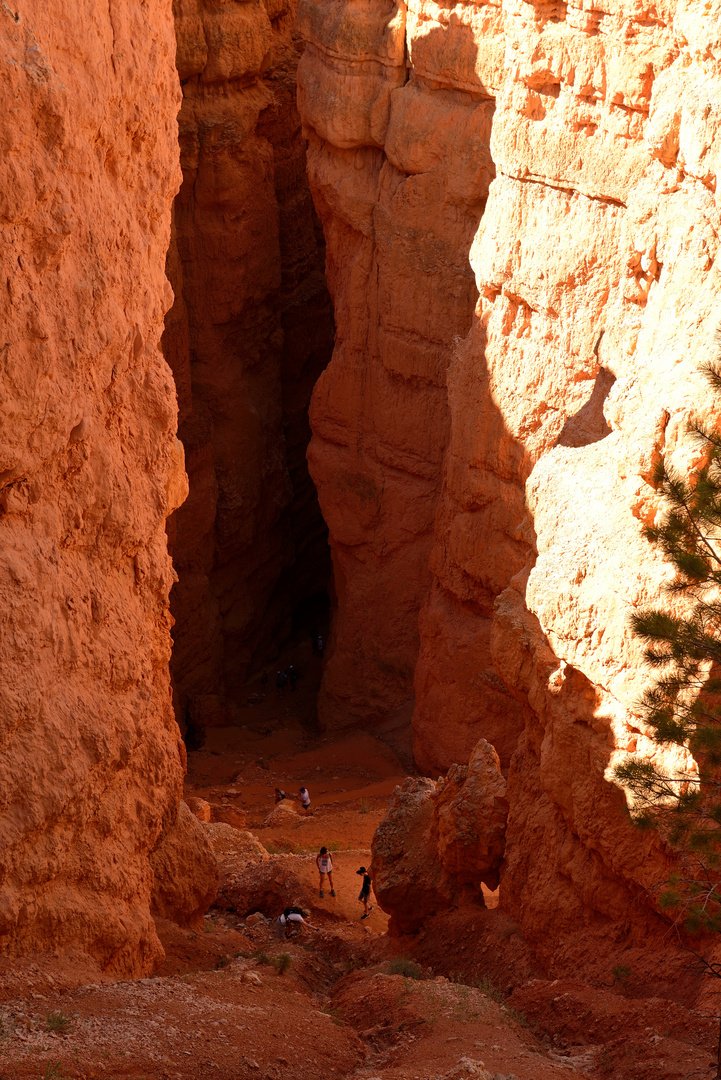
[257, 918]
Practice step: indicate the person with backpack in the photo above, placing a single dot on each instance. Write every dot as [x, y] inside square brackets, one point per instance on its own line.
[291, 921]
[325, 866]
[365, 892]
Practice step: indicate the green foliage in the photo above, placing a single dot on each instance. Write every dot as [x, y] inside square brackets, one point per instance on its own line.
[490, 990]
[621, 973]
[54, 1071]
[402, 965]
[281, 962]
[683, 705]
[59, 1022]
[364, 807]
[262, 958]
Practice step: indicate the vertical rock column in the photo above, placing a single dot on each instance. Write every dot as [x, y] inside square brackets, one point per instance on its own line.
[250, 331]
[399, 169]
[90, 758]
[597, 267]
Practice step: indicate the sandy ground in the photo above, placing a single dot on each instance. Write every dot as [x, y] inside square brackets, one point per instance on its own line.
[346, 1000]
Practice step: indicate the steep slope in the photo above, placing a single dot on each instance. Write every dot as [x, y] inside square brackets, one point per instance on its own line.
[91, 762]
[250, 331]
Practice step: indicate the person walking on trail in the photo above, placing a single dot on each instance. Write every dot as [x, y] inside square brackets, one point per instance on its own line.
[365, 892]
[292, 678]
[279, 795]
[305, 800]
[291, 922]
[279, 683]
[325, 866]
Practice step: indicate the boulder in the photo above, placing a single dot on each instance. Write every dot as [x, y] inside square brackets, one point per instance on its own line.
[233, 846]
[470, 812]
[185, 871]
[199, 807]
[283, 813]
[409, 881]
[440, 839]
[230, 815]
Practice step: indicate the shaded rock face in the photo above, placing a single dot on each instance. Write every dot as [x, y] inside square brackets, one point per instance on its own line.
[596, 263]
[250, 331]
[440, 840]
[91, 763]
[185, 871]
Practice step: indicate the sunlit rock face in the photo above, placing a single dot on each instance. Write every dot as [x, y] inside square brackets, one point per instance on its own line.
[250, 331]
[595, 260]
[91, 761]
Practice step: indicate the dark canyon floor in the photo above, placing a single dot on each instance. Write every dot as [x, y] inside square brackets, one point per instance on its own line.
[350, 1002]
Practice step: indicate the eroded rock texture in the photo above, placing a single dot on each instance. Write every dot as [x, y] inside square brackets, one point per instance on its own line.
[597, 271]
[251, 330]
[440, 840]
[90, 756]
[399, 168]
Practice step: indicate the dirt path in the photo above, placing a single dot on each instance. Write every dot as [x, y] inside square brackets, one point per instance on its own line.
[234, 1003]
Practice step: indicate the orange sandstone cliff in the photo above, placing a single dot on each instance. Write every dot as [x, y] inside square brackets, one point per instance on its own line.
[250, 331]
[399, 165]
[91, 761]
[569, 154]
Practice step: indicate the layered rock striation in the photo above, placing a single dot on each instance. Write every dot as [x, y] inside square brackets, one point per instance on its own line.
[91, 761]
[251, 329]
[596, 262]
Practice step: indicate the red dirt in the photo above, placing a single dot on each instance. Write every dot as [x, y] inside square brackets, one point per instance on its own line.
[338, 1010]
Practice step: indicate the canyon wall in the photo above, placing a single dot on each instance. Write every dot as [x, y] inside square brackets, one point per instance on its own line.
[595, 259]
[250, 331]
[399, 167]
[91, 761]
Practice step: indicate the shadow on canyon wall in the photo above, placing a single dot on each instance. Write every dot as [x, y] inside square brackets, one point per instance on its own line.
[250, 331]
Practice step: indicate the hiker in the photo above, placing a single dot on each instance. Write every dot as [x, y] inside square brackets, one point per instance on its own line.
[320, 645]
[291, 922]
[365, 892]
[279, 795]
[279, 683]
[325, 866]
[305, 800]
[292, 678]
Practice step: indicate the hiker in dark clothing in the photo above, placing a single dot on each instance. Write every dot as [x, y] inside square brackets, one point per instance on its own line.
[279, 684]
[365, 892]
[292, 678]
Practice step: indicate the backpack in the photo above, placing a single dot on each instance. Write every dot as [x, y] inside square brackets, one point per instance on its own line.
[293, 911]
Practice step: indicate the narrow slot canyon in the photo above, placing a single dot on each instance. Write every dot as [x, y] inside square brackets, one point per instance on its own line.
[369, 322]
